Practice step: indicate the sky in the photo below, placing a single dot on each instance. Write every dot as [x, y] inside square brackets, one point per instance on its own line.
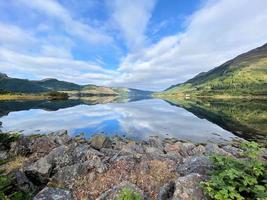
[143, 44]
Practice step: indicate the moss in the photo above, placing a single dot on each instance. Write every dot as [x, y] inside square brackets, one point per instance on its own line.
[129, 194]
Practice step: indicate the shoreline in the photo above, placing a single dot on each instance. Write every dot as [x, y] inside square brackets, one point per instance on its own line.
[101, 167]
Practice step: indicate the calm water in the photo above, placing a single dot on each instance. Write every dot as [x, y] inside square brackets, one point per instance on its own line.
[137, 119]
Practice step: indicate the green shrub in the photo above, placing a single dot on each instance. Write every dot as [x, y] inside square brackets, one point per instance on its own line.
[129, 194]
[240, 179]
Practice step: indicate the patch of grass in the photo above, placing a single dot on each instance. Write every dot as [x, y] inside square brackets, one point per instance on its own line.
[238, 179]
[8, 190]
[7, 138]
[129, 194]
[14, 164]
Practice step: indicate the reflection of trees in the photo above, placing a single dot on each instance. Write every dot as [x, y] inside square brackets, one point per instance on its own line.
[245, 118]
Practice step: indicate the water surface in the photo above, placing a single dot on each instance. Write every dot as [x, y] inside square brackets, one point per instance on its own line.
[136, 119]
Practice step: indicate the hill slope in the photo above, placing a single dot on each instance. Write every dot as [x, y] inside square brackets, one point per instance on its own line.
[15, 85]
[244, 75]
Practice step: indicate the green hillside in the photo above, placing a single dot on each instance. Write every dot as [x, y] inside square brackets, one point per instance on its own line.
[244, 75]
[54, 84]
[15, 85]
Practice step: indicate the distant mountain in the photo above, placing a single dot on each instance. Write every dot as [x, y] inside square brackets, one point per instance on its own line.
[16, 85]
[244, 75]
[54, 84]
[19, 85]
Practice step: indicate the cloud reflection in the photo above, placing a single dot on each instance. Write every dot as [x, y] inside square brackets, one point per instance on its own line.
[135, 119]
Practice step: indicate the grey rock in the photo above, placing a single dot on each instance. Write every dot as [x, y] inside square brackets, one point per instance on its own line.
[23, 183]
[180, 148]
[214, 149]
[67, 175]
[232, 150]
[100, 141]
[166, 192]
[188, 188]
[156, 142]
[20, 146]
[195, 164]
[39, 172]
[197, 151]
[60, 137]
[42, 145]
[53, 194]
[3, 155]
[132, 148]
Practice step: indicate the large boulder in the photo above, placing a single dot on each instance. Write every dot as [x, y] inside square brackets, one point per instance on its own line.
[100, 141]
[23, 183]
[39, 172]
[195, 164]
[53, 194]
[68, 174]
[188, 188]
[42, 145]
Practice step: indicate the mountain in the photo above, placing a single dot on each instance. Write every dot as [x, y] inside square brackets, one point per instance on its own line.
[19, 85]
[244, 75]
[54, 84]
[15, 85]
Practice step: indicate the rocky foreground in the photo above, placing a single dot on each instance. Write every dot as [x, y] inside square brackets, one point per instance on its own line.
[56, 166]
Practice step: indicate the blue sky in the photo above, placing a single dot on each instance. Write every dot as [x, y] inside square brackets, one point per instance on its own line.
[145, 44]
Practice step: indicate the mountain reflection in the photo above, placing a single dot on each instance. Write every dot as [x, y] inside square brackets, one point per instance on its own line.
[136, 119]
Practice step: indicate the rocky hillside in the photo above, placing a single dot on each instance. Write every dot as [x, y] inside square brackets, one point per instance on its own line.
[244, 75]
[56, 165]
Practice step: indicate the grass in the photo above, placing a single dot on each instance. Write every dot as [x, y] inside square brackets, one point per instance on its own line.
[4, 97]
[13, 164]
[129, 194]
[37, 96]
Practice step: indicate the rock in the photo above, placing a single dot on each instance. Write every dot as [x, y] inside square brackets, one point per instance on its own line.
[154, 153]
[132, 148]
[197, 151]
[23, 183]
[67, 175]
[211, 149]
[156, 142]
[20, 146]
[195, 164]
[180, 148]
[39, 172]
[166, 192]
[100, 141]
[3, 155]
[60, 137]
[42, 145]
[53, 194]
[188, 188]
[113, 194]
[232, 150]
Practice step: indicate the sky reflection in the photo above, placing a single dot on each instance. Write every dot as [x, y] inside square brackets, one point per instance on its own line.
[139, 119]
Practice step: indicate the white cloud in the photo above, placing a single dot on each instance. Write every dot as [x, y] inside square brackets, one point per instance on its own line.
[14, 37]
[131, 18]
[73, 27]
[41, 67]
[217, 32]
